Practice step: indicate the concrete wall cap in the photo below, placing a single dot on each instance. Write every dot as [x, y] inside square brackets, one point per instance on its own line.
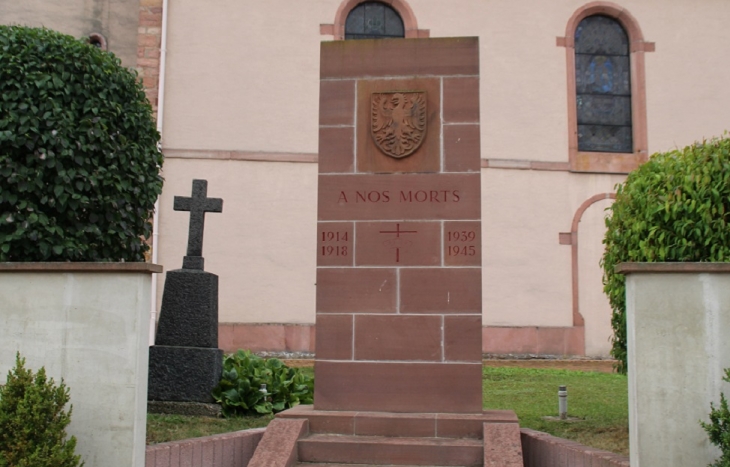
[80, 267]
[630, 268]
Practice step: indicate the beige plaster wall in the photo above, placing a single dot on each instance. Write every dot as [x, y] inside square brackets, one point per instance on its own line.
[246, 75]
[686, 98]
[262, 246]
[527, 275]
[116, 20]
[594, 306]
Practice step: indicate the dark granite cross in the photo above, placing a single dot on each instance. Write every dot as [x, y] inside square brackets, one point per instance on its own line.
[198, 204]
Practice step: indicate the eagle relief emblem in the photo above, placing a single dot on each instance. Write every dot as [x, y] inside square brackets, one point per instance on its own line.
[398, 122]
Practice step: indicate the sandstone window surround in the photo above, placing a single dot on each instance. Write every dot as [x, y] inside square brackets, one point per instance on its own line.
[580, 159]
[401, 7]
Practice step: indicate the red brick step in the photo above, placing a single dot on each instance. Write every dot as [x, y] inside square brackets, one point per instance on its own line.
[379, 450]
[415, 425]
[325, 464]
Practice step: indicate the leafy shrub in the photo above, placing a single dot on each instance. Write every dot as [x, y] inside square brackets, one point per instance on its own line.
[675, 207]
[33, 422]
[239, 391]
[79, 164]
[719, 427]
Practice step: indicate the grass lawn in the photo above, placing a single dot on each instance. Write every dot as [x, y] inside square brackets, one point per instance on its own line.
[598, 400]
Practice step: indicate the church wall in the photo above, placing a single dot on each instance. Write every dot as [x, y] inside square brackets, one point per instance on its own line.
[254, 95]
[262, 246]
[116, 20]
[686, 98]
[246, 75]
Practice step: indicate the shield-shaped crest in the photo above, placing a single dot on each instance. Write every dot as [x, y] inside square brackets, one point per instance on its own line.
[398, 122]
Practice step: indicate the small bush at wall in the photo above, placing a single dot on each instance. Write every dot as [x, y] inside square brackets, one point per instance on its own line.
[33, 421]
[79, 163]
[719, 427]
[675, 207]
[239, 391]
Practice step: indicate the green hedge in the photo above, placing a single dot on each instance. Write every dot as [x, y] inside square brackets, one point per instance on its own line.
[675, 207]
[79, 163]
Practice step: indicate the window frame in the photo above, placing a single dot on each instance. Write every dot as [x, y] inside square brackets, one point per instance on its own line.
[337, 30]
[609, 162]
[384, 8]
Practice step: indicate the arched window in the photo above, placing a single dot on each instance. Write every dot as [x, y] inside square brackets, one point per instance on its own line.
[373, 20]
[365, 19]
[603, 86]
[606, 91]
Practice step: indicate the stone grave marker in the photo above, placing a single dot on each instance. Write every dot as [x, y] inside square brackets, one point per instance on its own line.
[185, 362]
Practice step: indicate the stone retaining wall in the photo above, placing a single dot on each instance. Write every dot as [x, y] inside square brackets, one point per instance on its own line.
[226, 450]
[236, 449]
[541, 449]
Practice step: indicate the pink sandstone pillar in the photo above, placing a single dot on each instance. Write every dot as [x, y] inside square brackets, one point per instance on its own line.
[399, 227]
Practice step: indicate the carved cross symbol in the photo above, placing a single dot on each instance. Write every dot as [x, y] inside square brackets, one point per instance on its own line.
[198, 204]
[397, 233]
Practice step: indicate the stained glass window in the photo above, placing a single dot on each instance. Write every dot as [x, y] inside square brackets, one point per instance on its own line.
[373, 20]
[603, 86]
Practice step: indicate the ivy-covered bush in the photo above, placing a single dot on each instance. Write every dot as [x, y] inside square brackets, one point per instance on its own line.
[675, 207]
[718, 429]
[240, 392]
[79, 163]
[33, 421]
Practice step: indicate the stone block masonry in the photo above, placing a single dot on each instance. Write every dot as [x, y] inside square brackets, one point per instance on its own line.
[149, 36]
[399, 227]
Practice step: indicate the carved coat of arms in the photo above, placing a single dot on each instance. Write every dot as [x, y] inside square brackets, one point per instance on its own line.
[398, 122]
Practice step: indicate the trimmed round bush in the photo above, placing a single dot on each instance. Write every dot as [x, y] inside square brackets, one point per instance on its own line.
[33, 421]
[675, 207]
[79, 162]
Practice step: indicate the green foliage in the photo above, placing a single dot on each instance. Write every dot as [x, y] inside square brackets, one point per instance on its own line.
[33, 422]
[239, 391]
[675, 207]
[719, 427]
[79, 163]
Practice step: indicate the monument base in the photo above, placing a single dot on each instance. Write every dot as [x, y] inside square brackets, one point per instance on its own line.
[490, 438]
[183, 374]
